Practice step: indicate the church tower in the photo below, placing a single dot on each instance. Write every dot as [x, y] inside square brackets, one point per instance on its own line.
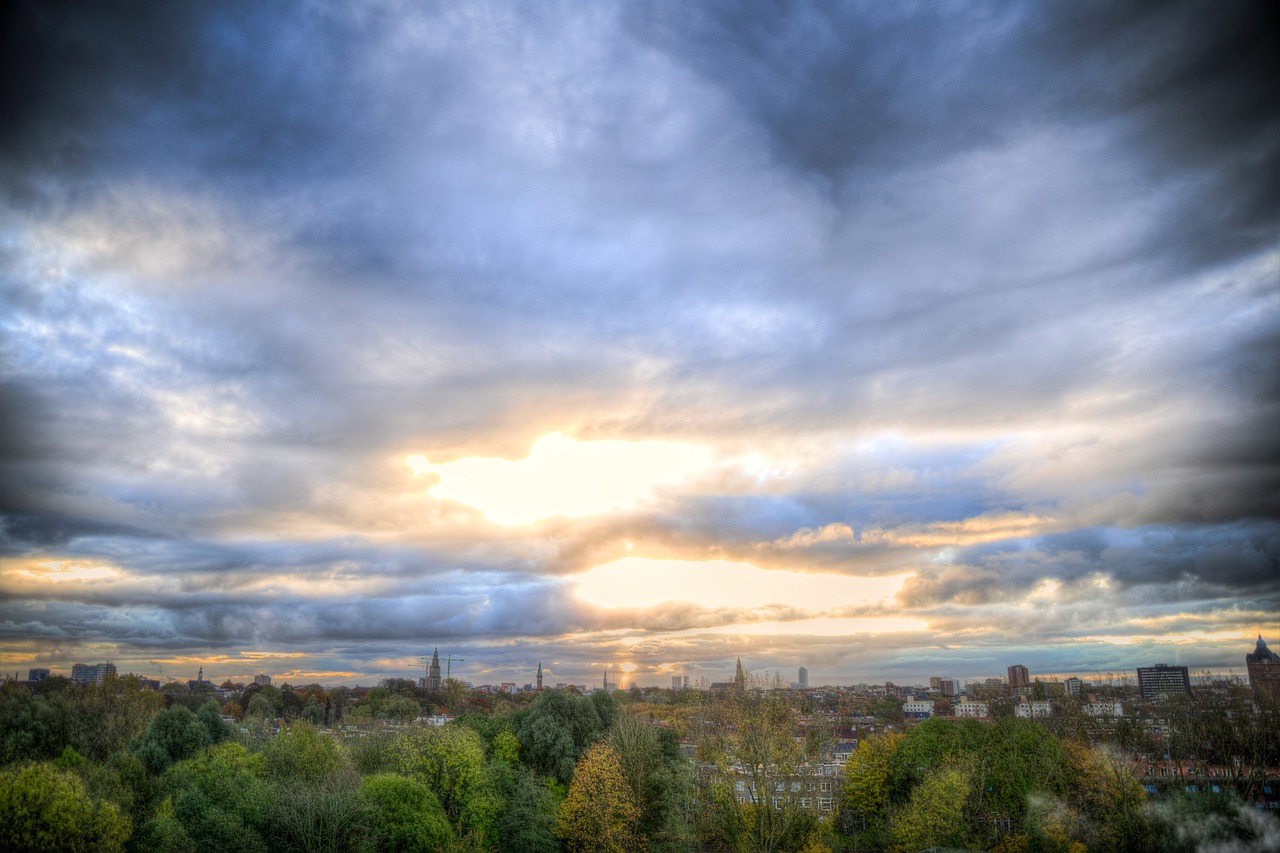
[739, 680]
[539, 676]
[433, 674]
[606, 681]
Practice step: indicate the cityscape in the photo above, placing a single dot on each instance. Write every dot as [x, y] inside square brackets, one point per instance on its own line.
[657, 426]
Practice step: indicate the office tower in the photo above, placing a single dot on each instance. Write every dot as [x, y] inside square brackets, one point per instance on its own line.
[804, 678]
[37, 674]
[1163, 680]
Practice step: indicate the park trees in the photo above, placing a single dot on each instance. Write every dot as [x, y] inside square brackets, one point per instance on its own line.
[220, 797]
[557, 729]
[450, 760]
[764, 772]
[44, 808]
[864, 794]
[175, 734]
[403, 815]
[599, 813]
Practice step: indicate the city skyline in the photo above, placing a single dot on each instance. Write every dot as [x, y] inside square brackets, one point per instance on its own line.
[639, 338]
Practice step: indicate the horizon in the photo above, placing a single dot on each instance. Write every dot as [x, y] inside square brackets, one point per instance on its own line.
[639, 337]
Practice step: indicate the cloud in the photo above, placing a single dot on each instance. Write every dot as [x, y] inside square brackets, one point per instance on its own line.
[980, 295]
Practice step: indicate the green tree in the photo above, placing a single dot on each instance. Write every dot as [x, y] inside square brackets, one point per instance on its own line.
[318, 815]
[403, 815]
[220, 798]
[451, 761]
[935, 814]
[43, 808]
[401, 708]
[301, 752]
[530, 804]
[172, 735]
[556, 731]
[32, 727]
[599, 813]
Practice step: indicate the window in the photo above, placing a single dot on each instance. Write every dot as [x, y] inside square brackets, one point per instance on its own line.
[825, 803]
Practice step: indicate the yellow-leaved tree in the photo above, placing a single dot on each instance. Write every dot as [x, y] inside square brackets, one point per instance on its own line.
[600, 811]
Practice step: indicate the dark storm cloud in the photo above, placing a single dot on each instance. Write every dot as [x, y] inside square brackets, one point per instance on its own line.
[252, 255]
[1185, 565]
[842, 88]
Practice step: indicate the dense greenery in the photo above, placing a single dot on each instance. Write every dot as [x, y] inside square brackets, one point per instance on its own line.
[118, 767]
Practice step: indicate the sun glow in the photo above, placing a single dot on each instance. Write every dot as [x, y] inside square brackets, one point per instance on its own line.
[562, 476]
[640, 582]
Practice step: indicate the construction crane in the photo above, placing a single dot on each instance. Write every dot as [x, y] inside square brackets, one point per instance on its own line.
[449, 661]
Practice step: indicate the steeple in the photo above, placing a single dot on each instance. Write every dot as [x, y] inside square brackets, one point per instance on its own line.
[200, 674]
[739, 680]
[539, 675]
[606, 681]
[433, 674]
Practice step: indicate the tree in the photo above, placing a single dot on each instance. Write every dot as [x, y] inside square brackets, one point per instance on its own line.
[526, 822]
[451, 761]
[599, 812]
[43, 808]
[935, 814]
[321, 815]
[220, 797]
[109, 715]
[401, 708]
[557, 729]
[300, 752]
[172, 735]
[32, 727]
[763, 771]
[864, 793]
[403, 815]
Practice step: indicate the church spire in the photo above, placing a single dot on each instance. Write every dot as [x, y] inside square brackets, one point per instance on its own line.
[739, 680]
[539, 675]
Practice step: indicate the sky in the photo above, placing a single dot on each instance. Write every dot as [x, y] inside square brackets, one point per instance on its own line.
[886, 339]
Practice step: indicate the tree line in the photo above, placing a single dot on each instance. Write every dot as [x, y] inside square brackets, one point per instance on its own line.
[119, 767]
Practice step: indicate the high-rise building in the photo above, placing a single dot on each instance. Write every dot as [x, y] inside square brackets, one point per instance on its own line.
[947, 686]
[83, 673]
[1073, 686]
[1264, 670]
[676, 682]
[37, 674]
[1163, 680]
[804, 678]
[1019, 678]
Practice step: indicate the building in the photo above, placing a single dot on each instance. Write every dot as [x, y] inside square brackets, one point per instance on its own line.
[1019, 678]
[948, 687]
[199, 683]
[918, 710]
[432, 681]
[539, 688]
[971, 709]
[804, 678]
[1163, 680]
[1264, 671]
[83, 673]
[1073, 686]
[739, 680]
[1030, 710]
[262, 680]
[37, 674]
